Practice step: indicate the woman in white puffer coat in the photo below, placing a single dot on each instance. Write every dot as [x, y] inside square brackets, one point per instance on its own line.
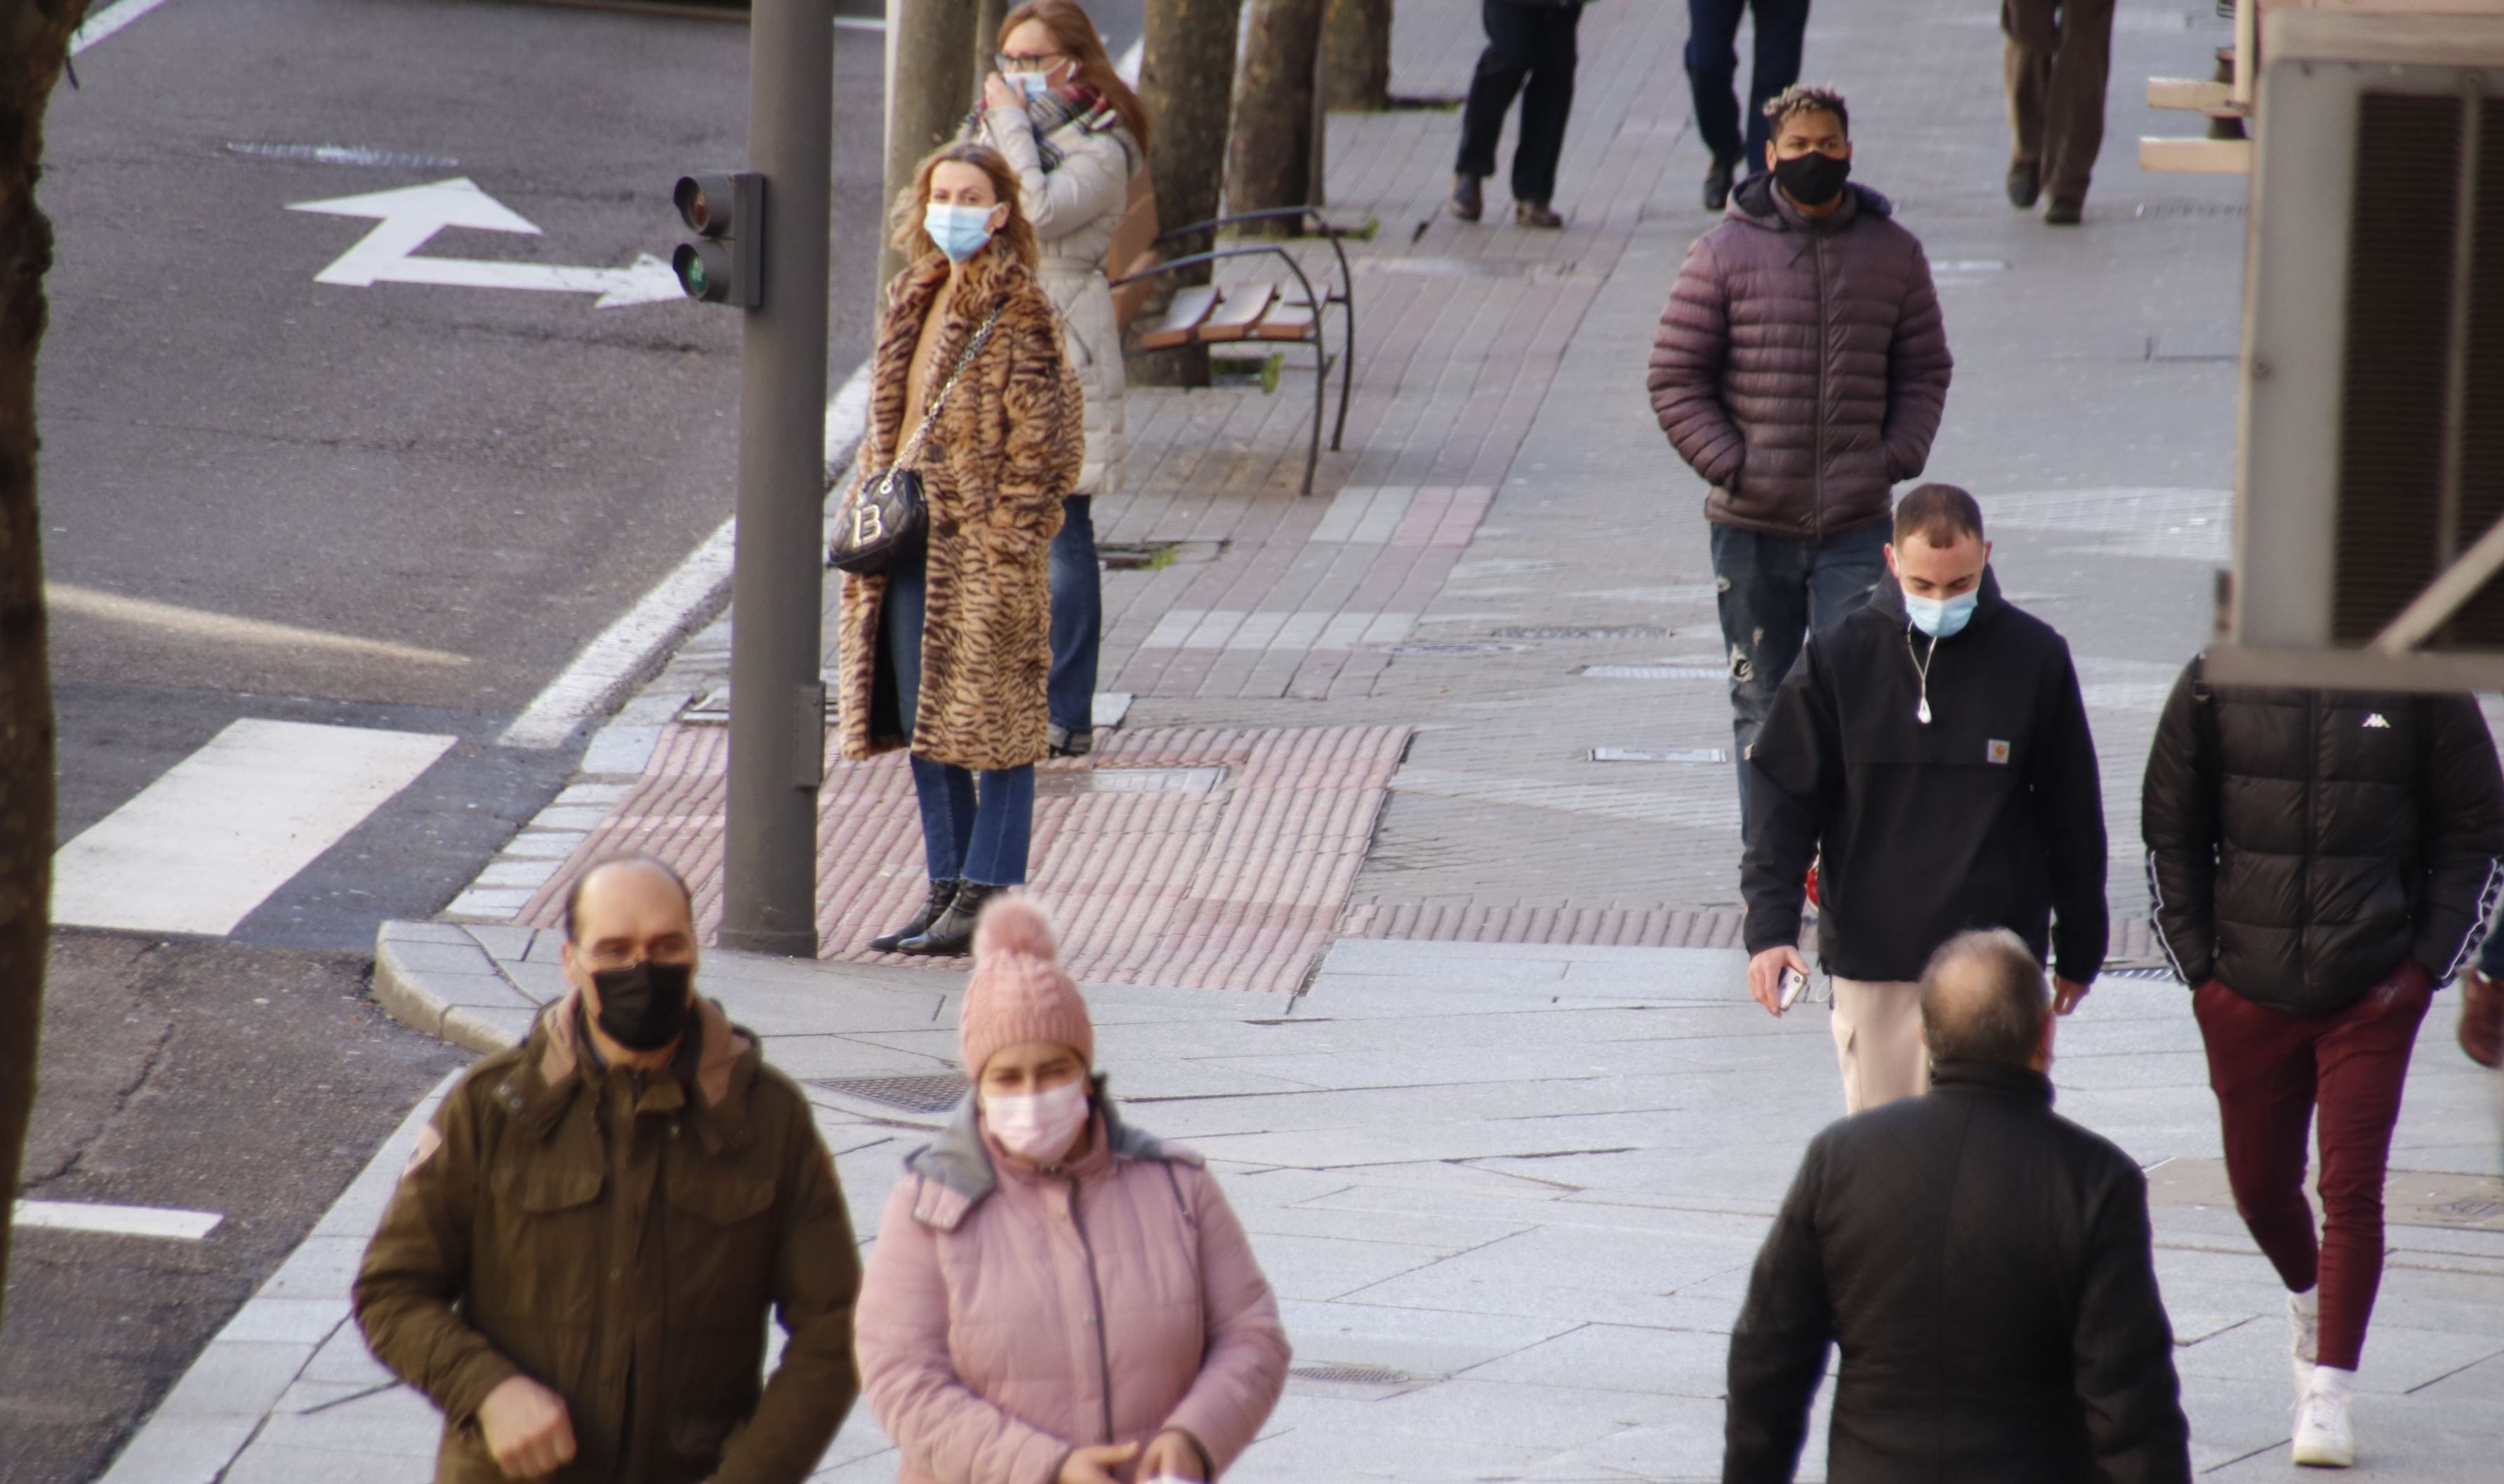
[1075, 133]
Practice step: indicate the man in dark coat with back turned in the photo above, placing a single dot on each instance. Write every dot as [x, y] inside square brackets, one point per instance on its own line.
[1933, 746]
[1800, 369]
[2318, 862]
[1981, 1262]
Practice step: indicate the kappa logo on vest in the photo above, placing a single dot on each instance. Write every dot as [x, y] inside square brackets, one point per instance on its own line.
[1994, 751]
[2375, 719]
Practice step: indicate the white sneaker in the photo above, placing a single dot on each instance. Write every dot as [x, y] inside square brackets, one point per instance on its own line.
[2304, 1337]
[2325, 1438]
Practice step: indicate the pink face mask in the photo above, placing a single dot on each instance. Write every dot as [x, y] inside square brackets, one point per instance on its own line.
[1041, 1127]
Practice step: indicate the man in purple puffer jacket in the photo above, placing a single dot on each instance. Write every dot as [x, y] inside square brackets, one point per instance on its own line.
[1800, 368]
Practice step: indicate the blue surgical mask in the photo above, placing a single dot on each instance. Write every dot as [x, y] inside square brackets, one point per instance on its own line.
[1941, 617]
[959, 232]
[1034, 85]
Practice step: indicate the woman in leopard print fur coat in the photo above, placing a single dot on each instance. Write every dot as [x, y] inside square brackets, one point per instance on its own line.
[947, 654]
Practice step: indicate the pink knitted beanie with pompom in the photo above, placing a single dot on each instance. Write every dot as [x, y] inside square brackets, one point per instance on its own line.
[1019, 991]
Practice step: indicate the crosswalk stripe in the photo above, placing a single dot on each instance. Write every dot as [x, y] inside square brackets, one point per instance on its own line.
[207, 843]
[115, 1221]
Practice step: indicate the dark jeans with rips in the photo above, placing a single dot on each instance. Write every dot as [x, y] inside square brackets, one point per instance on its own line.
[975, 826]
[2270, 1072]
[1713, 71]
[1530, 52]
[1077, 618]
[1772, 590]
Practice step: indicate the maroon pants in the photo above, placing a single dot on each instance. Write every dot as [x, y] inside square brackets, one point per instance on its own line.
[2270, 1071]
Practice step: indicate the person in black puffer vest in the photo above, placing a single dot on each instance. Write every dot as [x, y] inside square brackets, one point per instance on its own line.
[2317, 863]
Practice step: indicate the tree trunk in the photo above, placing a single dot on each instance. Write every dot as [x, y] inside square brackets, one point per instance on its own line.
[1272, 158]
[34, 41]
[1185, 80]
[1356, 54]
[929, 89]
[987, 18]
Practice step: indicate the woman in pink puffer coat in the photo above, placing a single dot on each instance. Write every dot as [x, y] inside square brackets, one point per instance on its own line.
[1055, 1298]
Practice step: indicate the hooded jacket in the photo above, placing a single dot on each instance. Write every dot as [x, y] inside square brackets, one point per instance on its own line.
[2301, 844]
[1989, 816]
[622, 1240]
[1801, 366]
[1983, 1265]
[1011, 1314]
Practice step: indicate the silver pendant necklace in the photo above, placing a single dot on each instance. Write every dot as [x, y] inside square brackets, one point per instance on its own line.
[1921, 665]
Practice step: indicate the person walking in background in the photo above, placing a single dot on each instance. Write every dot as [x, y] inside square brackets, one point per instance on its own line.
[1982, 1264]
[1713, 76]
[948, 651]
[582, 1255]
[2318, 861]
[1800, 369]
[1075, 134]
[1056, 1298]
[2054, 61]
[1930, 752]
[1530, 52]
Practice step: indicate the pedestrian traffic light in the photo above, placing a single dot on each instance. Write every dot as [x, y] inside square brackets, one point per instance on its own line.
[726, 263]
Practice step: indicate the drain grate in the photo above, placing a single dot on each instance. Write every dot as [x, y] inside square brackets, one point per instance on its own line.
[2156, 972]
[929, 1093]
[1351, 1375]
[1057, 782]
[1456, 647]
[1659, 755]
[1605, 630]
[1655, 672]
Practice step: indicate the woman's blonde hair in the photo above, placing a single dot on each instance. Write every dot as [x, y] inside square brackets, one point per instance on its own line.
[1015, 235]
[1075, 35]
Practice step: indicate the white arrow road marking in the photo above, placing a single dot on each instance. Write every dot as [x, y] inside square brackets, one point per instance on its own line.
[226, 628]
[408, 219]
[103, 23]
[165, 1222]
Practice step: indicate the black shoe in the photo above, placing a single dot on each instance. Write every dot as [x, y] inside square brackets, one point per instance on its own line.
[1717, 183]
[1069, 741]
[941, 894]
[952, 933]
[1468, 202]
[2025, 184]
[1536, 213]
[2064, 212]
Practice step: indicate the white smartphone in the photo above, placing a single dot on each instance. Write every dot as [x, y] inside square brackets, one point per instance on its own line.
[1794, 984]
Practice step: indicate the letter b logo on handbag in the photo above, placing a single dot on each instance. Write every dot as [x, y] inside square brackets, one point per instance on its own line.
[869, 526]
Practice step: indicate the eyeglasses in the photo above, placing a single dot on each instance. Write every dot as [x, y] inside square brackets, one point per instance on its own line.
[1040, 61]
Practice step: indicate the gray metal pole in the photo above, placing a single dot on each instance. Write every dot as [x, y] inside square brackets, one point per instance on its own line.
[776, 702]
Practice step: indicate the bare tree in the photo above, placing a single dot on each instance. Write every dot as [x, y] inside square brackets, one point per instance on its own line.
[930, 46]
[1356, 54]
[34, 43]
[988, 17]
[1273, 157]
[1186, 83]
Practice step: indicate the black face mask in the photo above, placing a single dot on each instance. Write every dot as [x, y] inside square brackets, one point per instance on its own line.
[1812, 179]
[645, 1006]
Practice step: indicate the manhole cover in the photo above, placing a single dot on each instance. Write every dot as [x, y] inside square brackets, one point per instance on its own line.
[1456, 647]
[1659, 755]
[1655, 672]
[1558, 631]
[1351, 1375]
[1060, 783]
[930, 1093]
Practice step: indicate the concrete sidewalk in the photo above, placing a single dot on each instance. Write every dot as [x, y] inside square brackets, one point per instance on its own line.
[1459, 1027]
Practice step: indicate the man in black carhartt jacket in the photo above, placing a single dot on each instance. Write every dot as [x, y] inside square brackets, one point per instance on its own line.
[2318, 862]
[1930, 753]
[1982, 1262]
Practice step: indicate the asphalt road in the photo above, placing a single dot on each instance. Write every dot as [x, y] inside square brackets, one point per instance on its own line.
[420, 501]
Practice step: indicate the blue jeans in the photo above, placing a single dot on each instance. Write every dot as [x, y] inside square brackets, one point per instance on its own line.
[975, 827]
[1077, 617]
[1773, 591]
[1713, 70]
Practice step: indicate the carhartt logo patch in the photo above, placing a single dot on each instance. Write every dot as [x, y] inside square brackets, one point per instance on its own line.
[1995, 751]
[2375, 719]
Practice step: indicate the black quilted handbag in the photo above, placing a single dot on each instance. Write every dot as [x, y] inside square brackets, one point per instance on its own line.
[886, 520]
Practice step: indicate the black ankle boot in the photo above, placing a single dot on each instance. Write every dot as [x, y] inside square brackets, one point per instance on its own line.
[954, 931]
[941, 894]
